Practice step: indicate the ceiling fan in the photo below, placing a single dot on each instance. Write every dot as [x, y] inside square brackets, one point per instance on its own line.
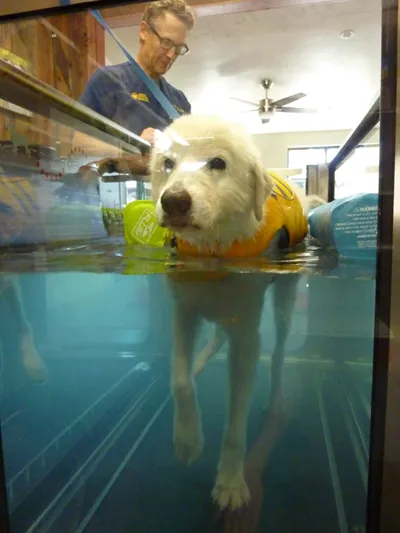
[267, 107]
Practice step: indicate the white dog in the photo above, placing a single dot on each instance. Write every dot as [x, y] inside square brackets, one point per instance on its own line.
[211, 190]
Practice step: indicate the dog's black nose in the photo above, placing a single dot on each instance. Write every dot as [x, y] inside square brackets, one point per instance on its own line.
[176, 203]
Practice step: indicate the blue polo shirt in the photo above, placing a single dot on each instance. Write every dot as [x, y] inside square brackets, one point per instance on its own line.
[117, 93]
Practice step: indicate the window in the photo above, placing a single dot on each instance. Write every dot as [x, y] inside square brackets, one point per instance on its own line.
[358, 174]
[301, 157]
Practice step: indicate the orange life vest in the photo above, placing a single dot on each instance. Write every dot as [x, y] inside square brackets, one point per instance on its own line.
[283, 209]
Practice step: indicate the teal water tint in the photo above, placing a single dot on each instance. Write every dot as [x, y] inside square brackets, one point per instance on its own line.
[90, 449]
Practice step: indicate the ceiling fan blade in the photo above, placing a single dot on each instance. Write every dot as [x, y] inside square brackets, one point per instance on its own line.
[288, 100]
[295, 110]
[256, 110]
[253, 104]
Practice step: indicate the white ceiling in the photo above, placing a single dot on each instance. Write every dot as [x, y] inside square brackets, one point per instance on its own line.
[299, 48]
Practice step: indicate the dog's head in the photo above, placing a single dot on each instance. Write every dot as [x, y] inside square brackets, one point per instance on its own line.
[208, 182]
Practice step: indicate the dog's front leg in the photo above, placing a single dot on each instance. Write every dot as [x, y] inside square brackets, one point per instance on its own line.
[188, 437]
[230, 488]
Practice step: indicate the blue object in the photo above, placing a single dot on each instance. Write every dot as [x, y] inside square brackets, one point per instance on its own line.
[348, 225]
[153, 88]
[65, 2]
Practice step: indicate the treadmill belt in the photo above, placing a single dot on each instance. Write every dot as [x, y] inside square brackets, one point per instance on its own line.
[314, 478]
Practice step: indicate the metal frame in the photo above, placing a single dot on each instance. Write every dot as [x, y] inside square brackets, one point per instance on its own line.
[383, 510]
[384, 472]
[383, 507]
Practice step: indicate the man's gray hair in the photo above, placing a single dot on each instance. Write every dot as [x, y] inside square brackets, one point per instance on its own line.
[179, 8]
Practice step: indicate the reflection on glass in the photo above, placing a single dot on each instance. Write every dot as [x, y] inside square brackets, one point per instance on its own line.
[86, 333]
[360, 173]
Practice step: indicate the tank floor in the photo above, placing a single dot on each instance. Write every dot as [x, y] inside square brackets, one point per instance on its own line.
[118, 472]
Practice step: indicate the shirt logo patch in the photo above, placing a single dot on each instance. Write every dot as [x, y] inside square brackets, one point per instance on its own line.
[140, 96]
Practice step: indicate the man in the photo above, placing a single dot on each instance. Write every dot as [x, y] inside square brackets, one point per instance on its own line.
[118, 93]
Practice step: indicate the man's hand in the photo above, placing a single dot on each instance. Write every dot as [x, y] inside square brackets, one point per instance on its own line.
[88, 173]
[148, 135]
[125, 166]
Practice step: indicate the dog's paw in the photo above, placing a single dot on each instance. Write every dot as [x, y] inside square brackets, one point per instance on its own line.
[188, 441]
[231, 493]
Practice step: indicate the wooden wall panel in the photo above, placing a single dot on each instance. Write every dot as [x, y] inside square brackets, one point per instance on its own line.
[63, 51]
[5, 42]
[43, 68]
[10, 7]
[89, 51]
[17, 38]
[62, 55]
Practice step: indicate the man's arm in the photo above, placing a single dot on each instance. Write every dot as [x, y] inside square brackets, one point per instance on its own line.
[123, 168]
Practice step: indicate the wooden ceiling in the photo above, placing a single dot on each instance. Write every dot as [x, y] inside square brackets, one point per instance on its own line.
[129, 15]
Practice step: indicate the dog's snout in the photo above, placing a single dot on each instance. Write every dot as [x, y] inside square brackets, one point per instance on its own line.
[176, 203]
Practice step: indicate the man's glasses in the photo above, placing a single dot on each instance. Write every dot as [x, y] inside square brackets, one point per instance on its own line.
[167, 44]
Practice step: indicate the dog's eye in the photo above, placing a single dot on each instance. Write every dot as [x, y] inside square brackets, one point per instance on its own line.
[169, 164]
[217, 163]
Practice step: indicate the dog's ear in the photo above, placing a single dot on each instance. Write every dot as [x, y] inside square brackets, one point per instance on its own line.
[263, 185]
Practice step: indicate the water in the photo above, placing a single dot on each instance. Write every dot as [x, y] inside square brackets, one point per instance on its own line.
[90, 449]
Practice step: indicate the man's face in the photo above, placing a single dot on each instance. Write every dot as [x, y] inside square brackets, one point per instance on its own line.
[163, 29]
